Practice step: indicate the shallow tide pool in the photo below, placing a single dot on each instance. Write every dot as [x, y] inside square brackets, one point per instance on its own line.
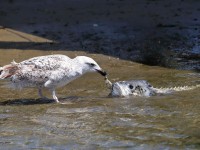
[89, 119]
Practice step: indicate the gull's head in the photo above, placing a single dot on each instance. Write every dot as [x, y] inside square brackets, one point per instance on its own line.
[89, 65]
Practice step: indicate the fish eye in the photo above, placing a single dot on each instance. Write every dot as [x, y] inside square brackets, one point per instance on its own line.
[131, 86]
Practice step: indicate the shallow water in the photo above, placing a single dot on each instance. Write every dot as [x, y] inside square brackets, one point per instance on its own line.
[88, 119]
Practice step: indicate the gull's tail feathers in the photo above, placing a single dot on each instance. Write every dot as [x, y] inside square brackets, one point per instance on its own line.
[8, 70]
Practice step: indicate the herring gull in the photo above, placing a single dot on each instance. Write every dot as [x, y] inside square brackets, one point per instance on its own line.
[51, 72]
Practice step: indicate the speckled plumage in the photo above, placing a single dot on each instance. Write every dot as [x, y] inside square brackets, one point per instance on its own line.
[49, 71]
[46, 71]
[141, 88]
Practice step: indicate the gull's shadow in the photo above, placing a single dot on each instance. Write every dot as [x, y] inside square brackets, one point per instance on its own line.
[39, 101]
[27, 101]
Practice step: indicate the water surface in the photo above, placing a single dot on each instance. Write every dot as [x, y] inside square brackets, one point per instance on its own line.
[89, 119]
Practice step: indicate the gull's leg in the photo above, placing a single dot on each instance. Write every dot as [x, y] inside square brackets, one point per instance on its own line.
[40, 93]
[49, 84]
[54, 96]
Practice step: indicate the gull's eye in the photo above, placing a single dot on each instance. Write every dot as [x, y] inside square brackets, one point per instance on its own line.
[91, 64]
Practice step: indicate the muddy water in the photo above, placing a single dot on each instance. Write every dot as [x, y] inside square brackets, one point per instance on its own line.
[88, 119]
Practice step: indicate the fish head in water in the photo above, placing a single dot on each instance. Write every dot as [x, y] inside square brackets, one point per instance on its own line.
[132, 87]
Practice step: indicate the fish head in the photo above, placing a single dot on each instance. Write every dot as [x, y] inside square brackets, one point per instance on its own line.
[132, 87]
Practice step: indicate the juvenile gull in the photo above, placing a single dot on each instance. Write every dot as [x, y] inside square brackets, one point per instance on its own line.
[51, 72]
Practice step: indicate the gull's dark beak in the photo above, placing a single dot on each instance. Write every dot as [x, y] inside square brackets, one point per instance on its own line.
[103, 73]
